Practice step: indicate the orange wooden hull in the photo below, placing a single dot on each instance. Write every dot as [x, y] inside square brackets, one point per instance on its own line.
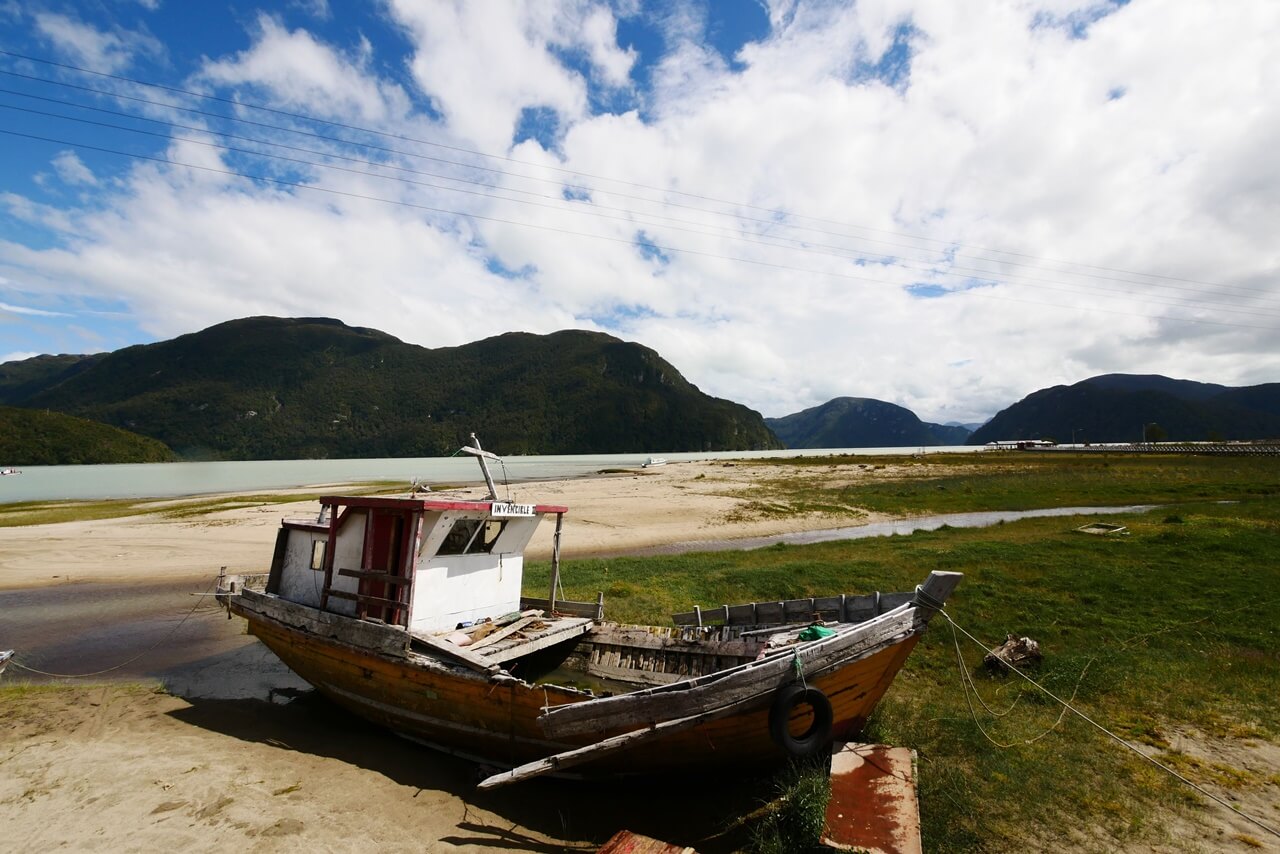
[464, 713]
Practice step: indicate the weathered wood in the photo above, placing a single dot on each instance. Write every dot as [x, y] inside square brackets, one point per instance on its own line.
[570, 758]
[937, 588]
[456, 652]
[727, 686]
[277, 560]
[565, 629]
[364, 599]
[639, 639]
[510, 629]
[563, 606]
[385, 577]
[377, 638]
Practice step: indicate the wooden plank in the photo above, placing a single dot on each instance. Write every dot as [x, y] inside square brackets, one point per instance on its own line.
[277, 560]
[717, 689]
[622, 636]
[502, 633]
[633, 676]
[575, 609]
[374, 576]
[769, 612]
[570, 758]
[564, 630]
[365, 600]
[456, 652]
[376, 638]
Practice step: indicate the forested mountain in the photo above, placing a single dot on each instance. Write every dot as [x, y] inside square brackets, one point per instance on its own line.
[859, 422]
[1131, 408]
[34, 437]
[276, 388]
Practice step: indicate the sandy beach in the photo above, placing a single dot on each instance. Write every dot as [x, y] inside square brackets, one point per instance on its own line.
[235, 753]
[608, 514]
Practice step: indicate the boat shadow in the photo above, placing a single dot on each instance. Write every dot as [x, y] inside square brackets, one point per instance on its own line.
[692, 810]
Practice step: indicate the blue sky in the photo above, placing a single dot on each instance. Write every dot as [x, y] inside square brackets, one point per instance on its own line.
[789, 200]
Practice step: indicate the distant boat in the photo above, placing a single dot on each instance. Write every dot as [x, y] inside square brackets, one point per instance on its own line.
[654, 461]
[408, 612]
[10, 471]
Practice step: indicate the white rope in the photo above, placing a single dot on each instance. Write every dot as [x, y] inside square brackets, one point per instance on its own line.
[1068, 707]
[166, 637]
[968, 686]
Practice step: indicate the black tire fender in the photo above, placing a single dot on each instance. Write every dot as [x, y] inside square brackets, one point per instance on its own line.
[817, 737]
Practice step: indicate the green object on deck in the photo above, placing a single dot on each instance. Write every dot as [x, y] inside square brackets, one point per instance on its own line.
[815, 632]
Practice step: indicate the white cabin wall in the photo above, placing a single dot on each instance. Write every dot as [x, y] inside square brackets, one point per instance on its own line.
[298, 581]
[452, 589]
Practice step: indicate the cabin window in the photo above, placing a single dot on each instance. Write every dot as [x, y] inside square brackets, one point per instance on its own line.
[472, 536]
[317, 553]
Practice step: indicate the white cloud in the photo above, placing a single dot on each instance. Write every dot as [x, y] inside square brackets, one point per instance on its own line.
[32, 312]
[483, 63]
[318, 9]
[71, 169]
[299, 72]
[16, 357]
[99, 50]
[1013, 141]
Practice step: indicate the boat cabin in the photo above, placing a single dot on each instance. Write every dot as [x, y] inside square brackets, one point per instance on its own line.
[428, 566]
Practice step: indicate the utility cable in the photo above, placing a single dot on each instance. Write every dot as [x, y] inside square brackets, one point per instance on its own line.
[626, 241]
[772, 212]
[559, 204]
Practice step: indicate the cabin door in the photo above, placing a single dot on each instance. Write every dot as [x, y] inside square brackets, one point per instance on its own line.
[384, 594]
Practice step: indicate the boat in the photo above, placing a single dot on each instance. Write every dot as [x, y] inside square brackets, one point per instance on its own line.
[409, 613]
[5, 655]
[10, 471]
[653, 461]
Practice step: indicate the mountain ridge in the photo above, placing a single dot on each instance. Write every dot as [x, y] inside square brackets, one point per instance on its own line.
[276, 388]
[861, 422]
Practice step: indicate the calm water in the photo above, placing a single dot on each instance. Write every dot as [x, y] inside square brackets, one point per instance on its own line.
[161, 480]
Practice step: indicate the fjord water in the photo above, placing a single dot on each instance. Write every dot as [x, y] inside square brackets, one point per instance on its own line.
[164, 480]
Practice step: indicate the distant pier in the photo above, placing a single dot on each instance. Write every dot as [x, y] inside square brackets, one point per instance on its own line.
[1231, 449]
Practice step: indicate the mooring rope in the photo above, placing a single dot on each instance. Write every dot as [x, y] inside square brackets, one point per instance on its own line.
[928, 601]
[149, 649]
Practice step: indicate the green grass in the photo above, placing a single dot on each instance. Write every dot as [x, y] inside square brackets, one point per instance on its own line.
[950, 483]
[1176, 625]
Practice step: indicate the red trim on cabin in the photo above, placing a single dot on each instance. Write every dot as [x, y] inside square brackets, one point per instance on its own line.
[425, 504]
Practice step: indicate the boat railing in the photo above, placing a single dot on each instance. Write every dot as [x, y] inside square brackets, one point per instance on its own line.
[842, 609]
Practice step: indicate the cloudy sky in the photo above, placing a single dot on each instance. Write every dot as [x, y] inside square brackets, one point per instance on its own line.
[944, 205]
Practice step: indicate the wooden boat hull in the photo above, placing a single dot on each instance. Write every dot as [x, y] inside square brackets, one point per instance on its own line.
[468, 713]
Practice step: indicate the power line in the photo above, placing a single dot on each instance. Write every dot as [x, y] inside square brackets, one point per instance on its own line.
[625, 241]
[559, 205]
[576, 173]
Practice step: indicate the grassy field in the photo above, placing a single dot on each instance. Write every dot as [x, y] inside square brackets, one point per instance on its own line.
[1173, 629]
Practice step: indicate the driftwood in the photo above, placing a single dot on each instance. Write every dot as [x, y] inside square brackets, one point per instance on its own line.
[1015, 651]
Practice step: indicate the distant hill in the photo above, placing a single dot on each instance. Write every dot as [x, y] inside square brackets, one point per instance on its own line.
[280, 388]
[860, 422]
[1118, 408]
[33, 437]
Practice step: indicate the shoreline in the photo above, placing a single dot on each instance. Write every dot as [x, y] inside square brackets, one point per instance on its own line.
[609, 514]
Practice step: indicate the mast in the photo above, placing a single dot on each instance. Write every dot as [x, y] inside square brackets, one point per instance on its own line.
[481, 455]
